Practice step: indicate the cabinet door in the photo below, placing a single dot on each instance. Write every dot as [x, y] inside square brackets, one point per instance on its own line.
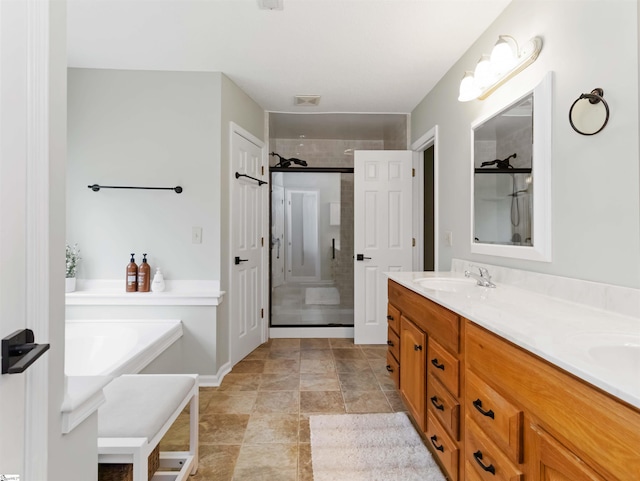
[557, 463]
[413, 375]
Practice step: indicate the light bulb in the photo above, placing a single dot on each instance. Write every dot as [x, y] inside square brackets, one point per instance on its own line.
[503, 56]
[468, 89]
[484, 75]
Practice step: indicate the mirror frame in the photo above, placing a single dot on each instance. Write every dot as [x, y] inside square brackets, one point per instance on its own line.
[541, 169]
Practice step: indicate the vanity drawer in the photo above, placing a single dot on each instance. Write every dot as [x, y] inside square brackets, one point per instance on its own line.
[485, 459]
[500, 420]
[393, 318]
[443, 406]
[393, 341]
[443, 366]
[432, 318]
[393, 368]
[443, 446]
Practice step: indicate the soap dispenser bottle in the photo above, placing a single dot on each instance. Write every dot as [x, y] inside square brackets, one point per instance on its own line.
[144, 274]
[132, 275]
[158, 281]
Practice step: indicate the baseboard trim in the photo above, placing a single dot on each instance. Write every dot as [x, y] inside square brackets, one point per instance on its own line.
[215, 380]
[311, 332]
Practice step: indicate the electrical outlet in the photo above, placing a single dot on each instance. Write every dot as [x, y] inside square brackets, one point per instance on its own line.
[448, 236]
[196, 235]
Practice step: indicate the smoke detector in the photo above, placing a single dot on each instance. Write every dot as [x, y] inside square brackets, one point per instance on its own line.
[306, 100]
[271, 4]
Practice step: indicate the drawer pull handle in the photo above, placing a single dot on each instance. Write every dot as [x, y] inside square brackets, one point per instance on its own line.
[478, 405]
[417, 347]
[390, 343]
[434, 401]
[390, 318]
[435, 362]
[478, 457]
[389, 368]
[434, 439]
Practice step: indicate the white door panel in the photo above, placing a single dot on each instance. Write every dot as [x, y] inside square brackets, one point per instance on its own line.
[382, 235]
[246, 248]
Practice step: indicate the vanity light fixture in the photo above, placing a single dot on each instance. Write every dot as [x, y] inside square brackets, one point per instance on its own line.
[506, 60]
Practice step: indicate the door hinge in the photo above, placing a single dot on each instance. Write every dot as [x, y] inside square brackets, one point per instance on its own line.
[262, 241]
[262, 169]
[262, 313]
[413, 172]
[413, 242]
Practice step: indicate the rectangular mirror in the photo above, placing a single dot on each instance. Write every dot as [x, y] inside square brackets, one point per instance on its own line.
[510, 190]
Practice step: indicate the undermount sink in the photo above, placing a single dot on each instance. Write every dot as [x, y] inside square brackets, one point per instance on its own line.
[613, 351]
[447, 284]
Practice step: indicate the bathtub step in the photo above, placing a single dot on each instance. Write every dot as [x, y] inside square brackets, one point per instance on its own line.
[139, 410]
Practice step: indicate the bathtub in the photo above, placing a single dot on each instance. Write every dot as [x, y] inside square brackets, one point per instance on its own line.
[115, 347]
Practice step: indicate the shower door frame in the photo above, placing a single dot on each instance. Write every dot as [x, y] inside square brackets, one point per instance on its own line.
[310, 170]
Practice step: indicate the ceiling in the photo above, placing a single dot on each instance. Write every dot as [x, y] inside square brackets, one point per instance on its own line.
[379, 56]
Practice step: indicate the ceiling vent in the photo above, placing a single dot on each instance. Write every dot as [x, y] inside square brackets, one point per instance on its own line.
[306, 100]
[271, 4]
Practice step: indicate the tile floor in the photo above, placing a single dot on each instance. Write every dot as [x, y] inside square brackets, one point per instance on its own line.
[288, 308]
[255, 426]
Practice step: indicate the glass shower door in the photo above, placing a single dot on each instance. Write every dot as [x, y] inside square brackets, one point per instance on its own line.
[311, 249]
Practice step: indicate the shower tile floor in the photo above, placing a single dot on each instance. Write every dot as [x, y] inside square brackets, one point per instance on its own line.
[288, 308]
[255, 426]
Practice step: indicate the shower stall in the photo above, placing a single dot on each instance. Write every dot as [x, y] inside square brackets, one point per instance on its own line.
[311, 253]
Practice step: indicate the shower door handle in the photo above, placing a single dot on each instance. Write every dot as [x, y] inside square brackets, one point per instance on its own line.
[361, 257]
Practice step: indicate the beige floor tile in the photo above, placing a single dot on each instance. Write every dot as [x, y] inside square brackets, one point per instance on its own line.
[249, 366]
[317, 355]
[280, 344]
[279, 366]
[223, 428]
[278, 456]
[240, 382]
[385, 381]
[272, 428]
[259, 353]
[177, 438]
[306, 344]
[366, 402]
[280, 382]
[305, 468]
[231, 402]
[304, 432]
[285, 354]
[278, 402]
[378, 365]
[347, 354]
[395, 401]
[319, 365]
[342, 344]
[216, 462]
[352, 365]
[319, 382]
[259, 473]
[374, 352]
[321, 402]
[358, 381]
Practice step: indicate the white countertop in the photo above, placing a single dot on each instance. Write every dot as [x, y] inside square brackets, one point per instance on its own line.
[581, 340]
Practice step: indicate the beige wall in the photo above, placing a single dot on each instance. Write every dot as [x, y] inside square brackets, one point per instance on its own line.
[595, 180]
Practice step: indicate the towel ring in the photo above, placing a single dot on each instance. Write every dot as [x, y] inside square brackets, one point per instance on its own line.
[589, 121]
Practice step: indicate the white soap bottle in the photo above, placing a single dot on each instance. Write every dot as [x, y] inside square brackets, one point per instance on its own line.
[158, 281]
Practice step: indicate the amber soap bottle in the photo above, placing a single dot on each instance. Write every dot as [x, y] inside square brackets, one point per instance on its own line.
[132, 275]
[144, 272]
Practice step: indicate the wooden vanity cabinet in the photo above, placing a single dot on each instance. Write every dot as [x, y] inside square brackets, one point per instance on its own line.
[430, 374]
[547, 423]
[393, 341]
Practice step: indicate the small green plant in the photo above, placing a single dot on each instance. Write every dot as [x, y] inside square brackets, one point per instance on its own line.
[73, 257]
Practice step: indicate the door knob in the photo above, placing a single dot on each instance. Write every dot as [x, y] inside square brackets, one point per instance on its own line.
[361, 257]
[238, 260]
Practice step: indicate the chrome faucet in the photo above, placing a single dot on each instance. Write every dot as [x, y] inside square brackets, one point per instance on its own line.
[484, 278]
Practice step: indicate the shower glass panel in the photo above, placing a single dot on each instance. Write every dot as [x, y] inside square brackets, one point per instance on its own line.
[311, 248]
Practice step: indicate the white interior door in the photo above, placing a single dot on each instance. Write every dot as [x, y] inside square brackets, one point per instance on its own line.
[24, 165]
[247, 309]
[277, 235]
[382, 235]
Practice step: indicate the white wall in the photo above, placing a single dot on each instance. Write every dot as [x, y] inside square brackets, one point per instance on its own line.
[595, 180]
[143, 128]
